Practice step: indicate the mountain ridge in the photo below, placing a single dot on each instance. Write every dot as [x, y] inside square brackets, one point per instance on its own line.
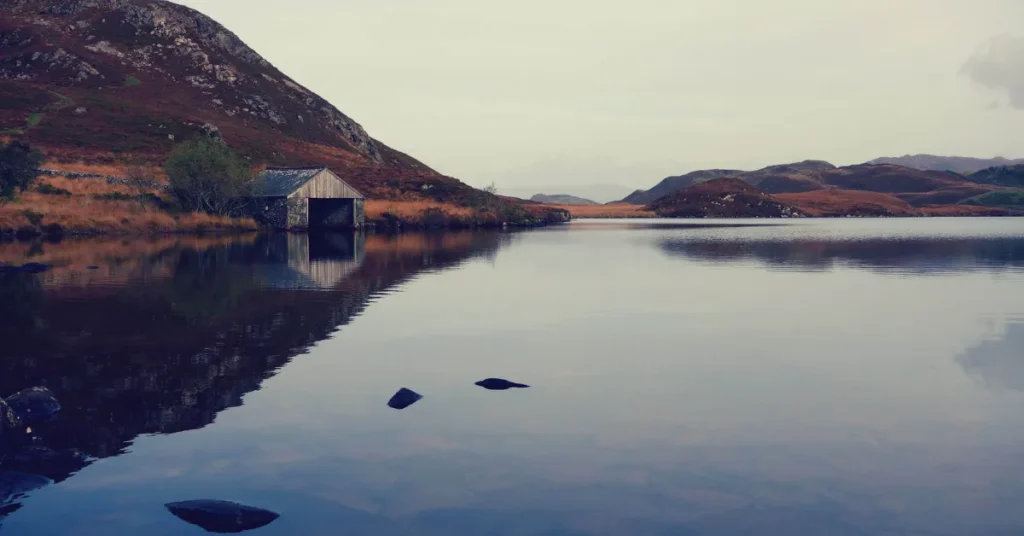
[90, 80]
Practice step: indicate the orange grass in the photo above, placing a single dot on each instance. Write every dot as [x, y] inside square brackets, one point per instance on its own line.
[83, 214]
[616, 210]
[411, 210]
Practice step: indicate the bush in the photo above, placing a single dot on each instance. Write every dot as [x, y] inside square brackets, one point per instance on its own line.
[19, 167]
[207, 176]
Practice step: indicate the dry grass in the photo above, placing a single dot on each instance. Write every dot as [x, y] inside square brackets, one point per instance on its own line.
[615, 210]
[412, 210]
[81, 214]
[112, 170]
[836, 202]
[84, 187]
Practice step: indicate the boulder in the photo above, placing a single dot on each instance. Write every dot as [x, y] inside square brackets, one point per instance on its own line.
[221, 516]
[36, 404]
[498, 384]
[35, 268]
[8, 418]
[404, 398]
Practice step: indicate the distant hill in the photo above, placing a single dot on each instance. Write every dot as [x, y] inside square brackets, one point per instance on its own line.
[671, 184]
[721, 198]
[958, 164]
[913, 186]
[598, 192]
[795, 177]
[1009, 176]
[562, 199]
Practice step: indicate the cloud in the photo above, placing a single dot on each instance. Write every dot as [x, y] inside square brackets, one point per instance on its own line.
[999, 65]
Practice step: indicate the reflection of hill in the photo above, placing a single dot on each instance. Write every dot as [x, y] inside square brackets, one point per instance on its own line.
[1000, 363]
[189, 331]
[916, 254]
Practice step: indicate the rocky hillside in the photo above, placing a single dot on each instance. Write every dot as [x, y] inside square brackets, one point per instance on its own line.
[722, 198]
[562, 199]
[98, 79]
[918, 188]
[957, 164]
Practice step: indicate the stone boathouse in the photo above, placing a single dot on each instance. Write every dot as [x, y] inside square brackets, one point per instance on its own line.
[306, 198]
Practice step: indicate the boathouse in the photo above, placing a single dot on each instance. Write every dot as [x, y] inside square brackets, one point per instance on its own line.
[306, 198]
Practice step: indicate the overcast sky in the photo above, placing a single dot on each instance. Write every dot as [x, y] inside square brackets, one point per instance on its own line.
[565, 92]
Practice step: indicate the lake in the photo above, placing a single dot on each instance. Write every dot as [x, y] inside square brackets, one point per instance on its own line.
[797, 377]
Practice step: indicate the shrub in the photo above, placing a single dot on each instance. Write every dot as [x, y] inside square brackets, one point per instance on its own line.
[19, 167]
[207, 176]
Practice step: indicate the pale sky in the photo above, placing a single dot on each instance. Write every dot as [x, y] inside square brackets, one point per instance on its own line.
[578, 92]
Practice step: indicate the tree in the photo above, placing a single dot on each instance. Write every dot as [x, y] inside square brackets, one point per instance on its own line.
[207, 176]
[19, 167]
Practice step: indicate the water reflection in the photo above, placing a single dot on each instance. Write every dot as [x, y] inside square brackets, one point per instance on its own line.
[998, 362]
[903, 254]
[168, 333]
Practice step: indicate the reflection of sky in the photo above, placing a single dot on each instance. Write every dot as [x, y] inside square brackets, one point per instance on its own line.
[667, 393]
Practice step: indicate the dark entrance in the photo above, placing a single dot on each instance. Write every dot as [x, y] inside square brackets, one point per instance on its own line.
[332, 213]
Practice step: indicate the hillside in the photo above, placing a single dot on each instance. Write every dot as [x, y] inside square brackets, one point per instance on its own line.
[957, 164]
[672, 184]
[96, 80]
[846, 186]
[1007, 176]
[562, 199]
[721, 198]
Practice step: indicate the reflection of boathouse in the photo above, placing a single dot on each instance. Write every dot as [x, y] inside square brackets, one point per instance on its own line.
[302, 261]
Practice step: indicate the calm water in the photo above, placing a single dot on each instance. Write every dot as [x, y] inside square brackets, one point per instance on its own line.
[815, 378]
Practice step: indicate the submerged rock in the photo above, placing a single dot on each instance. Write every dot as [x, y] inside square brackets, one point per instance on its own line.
[404, 398]
[498, 384]
[35, 268]
[36, 404]
[221, 516]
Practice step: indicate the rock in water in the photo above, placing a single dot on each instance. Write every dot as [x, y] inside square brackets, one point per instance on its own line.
[221, 516]
[35, 268]
[8, 418]
[404, 398]
[498, 384]
[36, 404]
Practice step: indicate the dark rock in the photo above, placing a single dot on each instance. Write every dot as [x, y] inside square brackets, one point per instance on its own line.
[8, 418]
[404, 398]
[35, 268]
[36, 404]
[92, 267]
[221, 516]
[498, 384]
